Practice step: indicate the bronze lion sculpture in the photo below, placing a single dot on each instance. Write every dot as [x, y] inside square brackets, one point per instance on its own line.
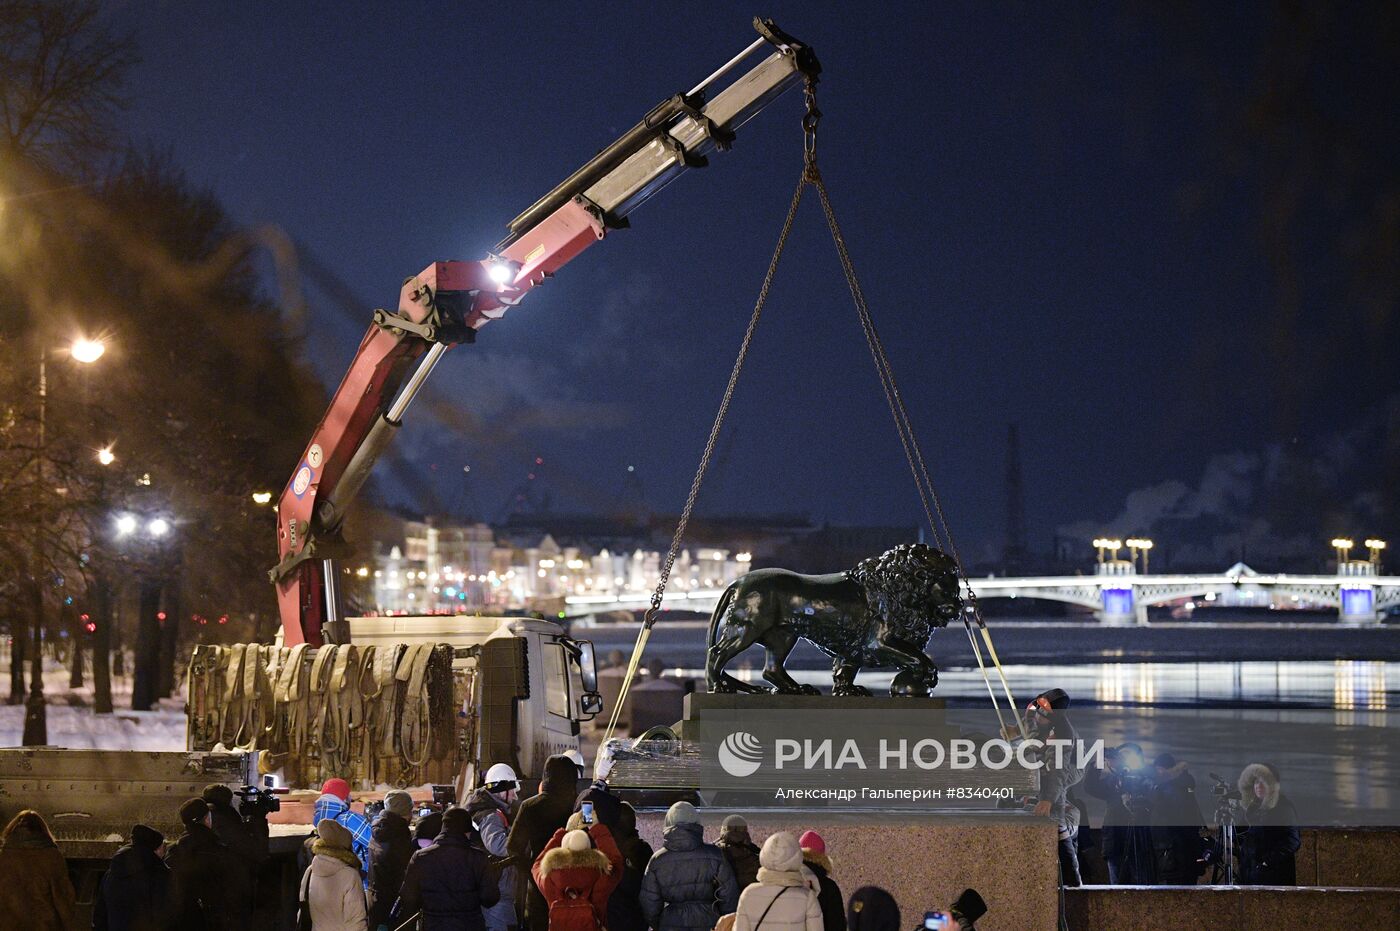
[879, 614]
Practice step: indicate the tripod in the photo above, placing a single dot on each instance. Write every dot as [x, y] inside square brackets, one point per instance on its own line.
[1225, 818]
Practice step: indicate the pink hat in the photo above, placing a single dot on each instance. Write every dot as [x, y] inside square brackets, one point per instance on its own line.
[811, 840]
[336, 787]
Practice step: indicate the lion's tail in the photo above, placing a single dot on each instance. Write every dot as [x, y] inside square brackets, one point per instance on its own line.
[726, 599]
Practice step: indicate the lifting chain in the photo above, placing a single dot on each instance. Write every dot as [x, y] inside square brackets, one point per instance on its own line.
[928, 496]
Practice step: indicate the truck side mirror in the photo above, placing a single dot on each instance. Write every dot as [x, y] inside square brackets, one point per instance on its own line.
[588, 668]
[590, 704]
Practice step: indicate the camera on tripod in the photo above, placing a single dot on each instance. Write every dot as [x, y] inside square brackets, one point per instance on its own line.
[256, 802]
[1223, 791]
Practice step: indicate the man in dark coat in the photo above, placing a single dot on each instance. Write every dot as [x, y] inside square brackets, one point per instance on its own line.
[607, 808]
[1176, 822]
[688, 883]
[624, 905]
[539, 817]
[390, 847]
[450, 882]
[1270, 842]
[740, 850]
[134, 892]
[208, 887]
[1127, 843]
[247, 840]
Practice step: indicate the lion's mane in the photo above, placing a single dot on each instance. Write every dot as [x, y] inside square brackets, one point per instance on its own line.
[901, 583]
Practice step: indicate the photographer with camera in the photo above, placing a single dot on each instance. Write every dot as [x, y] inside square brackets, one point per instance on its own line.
[1045, 720]
[1271, 839]
[243, 829]
[1176, 822]
[1126, 789]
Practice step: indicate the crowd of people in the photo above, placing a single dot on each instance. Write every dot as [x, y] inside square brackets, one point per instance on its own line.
[570, 858]
[1154, 830]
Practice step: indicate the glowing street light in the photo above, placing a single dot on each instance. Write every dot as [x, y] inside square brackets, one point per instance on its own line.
[87, 351]
[1342, 545]
[158, 527]
[126, 524]
[1375, 547]
[1139, 545]
[261, 498]
[1104, 544]
[105, 456]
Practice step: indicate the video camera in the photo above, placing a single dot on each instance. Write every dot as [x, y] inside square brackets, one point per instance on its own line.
[256, 802]
[444, 797]
[1223, 791]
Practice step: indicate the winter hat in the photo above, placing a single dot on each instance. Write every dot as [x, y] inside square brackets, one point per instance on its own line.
[150, 838]
[681, 813]
[193, 811]
[333, 833]
[576, 841]
[1058, 698]
[399, 802]
[428, 828]
[872, 909]
[456, 821]
[780, 852]
[736, 822]
[969, 905]
[812, 841]
[1164, 761]
[218, 795]
[337, 787]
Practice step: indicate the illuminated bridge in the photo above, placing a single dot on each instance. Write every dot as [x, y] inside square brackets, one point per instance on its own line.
[1119, 595]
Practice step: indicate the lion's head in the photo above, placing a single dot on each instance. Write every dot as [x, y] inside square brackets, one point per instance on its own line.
[913, 586]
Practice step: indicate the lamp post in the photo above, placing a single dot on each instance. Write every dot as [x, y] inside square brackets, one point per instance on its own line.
[1374, 548]
[1343, 546]
[1138, 545]
[36, 730]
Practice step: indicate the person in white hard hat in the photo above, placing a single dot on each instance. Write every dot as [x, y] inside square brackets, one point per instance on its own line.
[491, 807]
[582, 768]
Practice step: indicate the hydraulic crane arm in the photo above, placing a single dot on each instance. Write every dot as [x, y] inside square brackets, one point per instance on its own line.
[448, 302]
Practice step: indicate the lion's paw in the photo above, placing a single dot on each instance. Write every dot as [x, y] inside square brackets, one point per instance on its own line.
[849, 691]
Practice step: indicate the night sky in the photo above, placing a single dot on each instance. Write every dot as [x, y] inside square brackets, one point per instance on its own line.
[1036, 199]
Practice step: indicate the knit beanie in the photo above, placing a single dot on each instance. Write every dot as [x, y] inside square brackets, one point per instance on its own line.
[872, 909]
[780, 852]
[811, 840]
[576, 841]
[681, 813]
[333, 833]
[456, 821]
[400, 803]
[143, 836]
[193, 811]
[970, 905]
[337, 787]
[735, 821]
[428, 827]
[218, 795]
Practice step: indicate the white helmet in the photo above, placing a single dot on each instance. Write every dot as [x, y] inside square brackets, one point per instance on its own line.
[501, 772]
[577, 759]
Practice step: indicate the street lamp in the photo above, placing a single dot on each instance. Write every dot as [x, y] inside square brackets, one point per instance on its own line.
[125, 524]
[1139, 545]
[261, 498]
[1104, 544]
[105, 456]
[1342, 545]
[1375, 546]
[86, 350]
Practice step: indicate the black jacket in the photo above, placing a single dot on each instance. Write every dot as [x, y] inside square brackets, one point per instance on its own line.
[208, 886]
[828, 897]
[539, 817]
[624, 905]
[450, 884]
[390, 847]
[688, 883]
[248, 840]
[1176, 823]
[1269, 844]
[134, 893]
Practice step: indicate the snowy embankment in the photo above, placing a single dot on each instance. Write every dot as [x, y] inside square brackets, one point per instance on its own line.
[72, 724]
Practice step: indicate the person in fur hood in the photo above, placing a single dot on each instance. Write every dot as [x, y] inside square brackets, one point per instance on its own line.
[1269, 843]
[331, 892]
[576, 874]
[783, 898]
[829, 896]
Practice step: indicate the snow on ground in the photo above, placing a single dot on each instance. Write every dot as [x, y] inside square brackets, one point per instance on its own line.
[72, 724]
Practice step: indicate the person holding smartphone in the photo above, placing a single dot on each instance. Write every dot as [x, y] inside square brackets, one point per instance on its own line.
[577, 873]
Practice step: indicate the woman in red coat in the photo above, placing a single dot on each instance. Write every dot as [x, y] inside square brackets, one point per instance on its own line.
[576, 873]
